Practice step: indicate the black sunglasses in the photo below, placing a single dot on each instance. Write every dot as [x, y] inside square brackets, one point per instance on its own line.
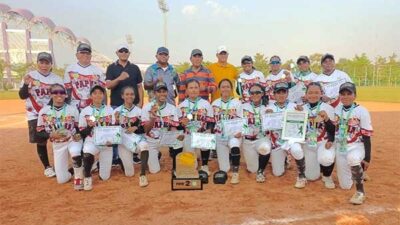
[255, 92]
[58, 92]
[124, 50]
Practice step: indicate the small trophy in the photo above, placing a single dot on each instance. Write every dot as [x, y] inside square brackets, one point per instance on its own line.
[187, 176]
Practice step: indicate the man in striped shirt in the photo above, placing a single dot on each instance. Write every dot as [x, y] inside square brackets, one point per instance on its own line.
[200, 73]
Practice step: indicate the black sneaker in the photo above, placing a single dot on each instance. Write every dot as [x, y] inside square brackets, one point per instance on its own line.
[136, 159]
[214, 154]
[159, 156]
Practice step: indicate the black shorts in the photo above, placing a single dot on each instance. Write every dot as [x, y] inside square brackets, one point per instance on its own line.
[33, 138]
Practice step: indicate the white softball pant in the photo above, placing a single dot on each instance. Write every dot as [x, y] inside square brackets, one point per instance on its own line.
[344, 161]
[105, 156]
[278, 156]
[316, 156]
[126, 156]
[61, 158]
[223, 150]
[251, 149]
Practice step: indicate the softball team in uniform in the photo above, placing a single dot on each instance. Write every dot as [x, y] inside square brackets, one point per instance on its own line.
[280, 148]
[35, 90]
[58, 121]
[128, 116]
[94, 115]
[353, 142]
[159, 116]
[255, 142]
[319, 147]
[247, 78]
[227, 108]
[196, 115]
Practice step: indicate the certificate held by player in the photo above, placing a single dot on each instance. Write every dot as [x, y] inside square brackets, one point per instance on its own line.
[272, 121]
[232, 127]
[107, 135]
[169, 138]
[294, 126]
[203, 141]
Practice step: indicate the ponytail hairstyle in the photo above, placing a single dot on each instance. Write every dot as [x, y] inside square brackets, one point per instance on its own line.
[264, 98]
[52, 87]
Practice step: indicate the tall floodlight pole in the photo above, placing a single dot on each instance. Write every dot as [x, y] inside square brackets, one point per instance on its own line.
[162, 4]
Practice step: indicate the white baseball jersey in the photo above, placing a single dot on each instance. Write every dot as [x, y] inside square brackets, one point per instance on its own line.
[299, 90]
[39, 92]
[228, 110]
[314, 123]
[52, 118]
[167, 117]
[101, 116]
[127, 117]
[80, 80]
[357, 120]
[247, 81]
[273, 79]
[199, 113]
[331, 84]
[275, 135]
[254, 116]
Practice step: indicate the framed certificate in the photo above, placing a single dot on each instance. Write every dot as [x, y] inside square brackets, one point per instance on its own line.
[232, 127]
[111, 134]
[272, 121]
[203, 141]
[168, 138]
[294, 126]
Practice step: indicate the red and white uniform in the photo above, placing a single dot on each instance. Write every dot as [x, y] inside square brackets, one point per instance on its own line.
[301, 82]
[167, 118]
[331, 84]
[247, 81]
[80, 80]
[358, 123]
[66, 118]
[231, 109]
[273, 79]
[39, 92]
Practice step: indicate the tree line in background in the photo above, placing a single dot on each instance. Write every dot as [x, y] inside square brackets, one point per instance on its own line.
[383, 71]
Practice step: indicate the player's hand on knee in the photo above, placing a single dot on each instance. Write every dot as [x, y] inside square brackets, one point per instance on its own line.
[365, 165]
[76, 137]
[180, 137]
[238, 135]
[328, 145]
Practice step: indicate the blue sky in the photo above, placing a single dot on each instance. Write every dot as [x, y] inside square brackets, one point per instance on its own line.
[286, 28]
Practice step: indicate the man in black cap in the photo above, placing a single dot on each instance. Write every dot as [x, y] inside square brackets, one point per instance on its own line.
[162, 71]
[331, 79]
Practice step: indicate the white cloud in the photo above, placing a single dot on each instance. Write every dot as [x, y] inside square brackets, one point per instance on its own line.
[189, 10]
[219, 9]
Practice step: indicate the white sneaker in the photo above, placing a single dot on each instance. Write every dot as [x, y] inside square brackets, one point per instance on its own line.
[87, 183]
[301, 182]
[78, 184]
[260, 177]
[358, 198]
[205, 169]
[143, 181]
[328, 182]
[49, 172]
[235, 178]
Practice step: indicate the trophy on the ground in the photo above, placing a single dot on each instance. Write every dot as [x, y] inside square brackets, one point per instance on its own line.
[186, 176]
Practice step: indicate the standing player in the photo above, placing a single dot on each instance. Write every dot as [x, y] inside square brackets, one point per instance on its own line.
[353, 142]
[128, 117]
[227, 108]
[196, 115]
[36, 93]
[277, 75]
[319, 151]
[248, 78]
[303, 77]
[80, 77]
[255, 144]
[96, 114]
[331, 79]
[159, 116]
[59, 122]
[280, 148]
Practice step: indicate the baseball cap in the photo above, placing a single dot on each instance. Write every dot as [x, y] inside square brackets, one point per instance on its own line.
[303, 58]
[162, 50]
[45, 56]
[281, 86]
[83, 47]
[160, 85]
[222, 48]
[275, 60]
[246, 59]
[121, 46]
[196, 52]
[348, 86]
[327, 56]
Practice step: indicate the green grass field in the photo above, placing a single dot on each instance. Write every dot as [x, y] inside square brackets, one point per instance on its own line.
[375, 94]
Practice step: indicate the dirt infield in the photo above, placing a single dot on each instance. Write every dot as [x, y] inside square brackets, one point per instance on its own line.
[27, 197]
